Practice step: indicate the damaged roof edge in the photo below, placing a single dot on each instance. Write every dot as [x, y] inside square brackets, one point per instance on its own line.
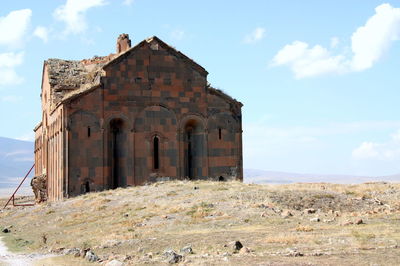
[223, 95]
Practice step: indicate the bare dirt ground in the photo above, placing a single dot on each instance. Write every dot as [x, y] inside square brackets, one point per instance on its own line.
[296, 224]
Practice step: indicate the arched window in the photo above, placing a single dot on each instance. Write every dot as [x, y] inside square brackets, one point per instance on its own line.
[156, 151]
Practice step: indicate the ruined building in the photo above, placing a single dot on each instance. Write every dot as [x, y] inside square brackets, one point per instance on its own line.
[143, 114]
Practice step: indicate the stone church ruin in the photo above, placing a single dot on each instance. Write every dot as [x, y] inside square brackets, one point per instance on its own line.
[143, 114]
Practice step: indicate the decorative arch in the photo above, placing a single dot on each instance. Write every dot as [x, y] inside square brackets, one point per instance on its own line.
[193, 135]
[118, 148]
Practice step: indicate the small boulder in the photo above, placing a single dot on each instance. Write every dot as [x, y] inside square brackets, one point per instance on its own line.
[286, 214]
[72, 251]
[309, 211]
[114, 263]
[187, 250]
[359, 221]
[172, 257]
[244, 250]
[90, 256]
[6, 230]
[236, 246]
[315, 219]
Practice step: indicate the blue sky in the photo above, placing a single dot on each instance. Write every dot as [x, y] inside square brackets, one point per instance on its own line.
[319, 80]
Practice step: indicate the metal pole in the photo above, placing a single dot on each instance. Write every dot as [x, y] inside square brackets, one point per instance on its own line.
[12, 196]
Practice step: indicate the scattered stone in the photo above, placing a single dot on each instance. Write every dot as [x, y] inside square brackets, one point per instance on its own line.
[377, 201]
[347, 223]
[172, 257]
[315, 219]
[292, 252]
[309, 211]
[187, 250]
[264, 214]
[359, 221]
[114, 263]
[72, 251]
[244, 250]
[286, 214]
[196, 188]
[90, 256]
[126, 215]
[82, 253]
[236, 246]
[317, 253]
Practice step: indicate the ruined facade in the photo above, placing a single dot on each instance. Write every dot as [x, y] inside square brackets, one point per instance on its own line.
[143, 114]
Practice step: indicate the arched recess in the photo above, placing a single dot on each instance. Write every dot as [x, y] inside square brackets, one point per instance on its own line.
[155, 122]
[223, 146]
[84, 152]
[193, 150]
[118, 158]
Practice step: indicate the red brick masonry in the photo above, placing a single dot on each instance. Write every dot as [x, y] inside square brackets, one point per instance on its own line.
[144, 114]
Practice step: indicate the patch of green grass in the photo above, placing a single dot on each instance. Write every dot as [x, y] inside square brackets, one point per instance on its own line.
[17, 244]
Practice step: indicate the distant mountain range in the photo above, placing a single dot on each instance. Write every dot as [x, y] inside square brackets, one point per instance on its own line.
[16, 158]
[270, 177]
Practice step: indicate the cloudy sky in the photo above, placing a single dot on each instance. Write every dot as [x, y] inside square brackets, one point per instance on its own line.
[319, 80]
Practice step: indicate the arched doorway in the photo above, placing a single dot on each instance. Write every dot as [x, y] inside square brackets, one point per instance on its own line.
[118, 153]
[194, 149]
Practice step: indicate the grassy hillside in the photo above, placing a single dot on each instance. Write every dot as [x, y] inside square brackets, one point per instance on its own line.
[279, 224]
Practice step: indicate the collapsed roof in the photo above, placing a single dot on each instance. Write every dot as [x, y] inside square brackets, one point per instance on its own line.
[69, 78]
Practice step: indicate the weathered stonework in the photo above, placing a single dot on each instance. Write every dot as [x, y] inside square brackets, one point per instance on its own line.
[144, 114]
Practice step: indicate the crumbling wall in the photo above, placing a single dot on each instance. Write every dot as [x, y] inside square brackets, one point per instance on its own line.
[39, 187]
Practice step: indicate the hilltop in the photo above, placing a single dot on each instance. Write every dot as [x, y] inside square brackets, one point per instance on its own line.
[277, 224]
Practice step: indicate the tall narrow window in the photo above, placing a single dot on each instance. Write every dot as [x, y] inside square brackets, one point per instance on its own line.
[88, 132]
[156, 156]
[219, 133]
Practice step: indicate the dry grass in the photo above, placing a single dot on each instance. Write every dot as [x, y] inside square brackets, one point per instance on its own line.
[152, 218]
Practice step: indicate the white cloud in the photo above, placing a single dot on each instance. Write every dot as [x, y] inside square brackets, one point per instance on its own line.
[8, 61]
[256, 35]
[8, 76]
[368, 44]
[334, 42]
[389, 150]
[73, 14]
[128, 2]
[42, 33]
[375, 37]
[308, 61]
[13, 27]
